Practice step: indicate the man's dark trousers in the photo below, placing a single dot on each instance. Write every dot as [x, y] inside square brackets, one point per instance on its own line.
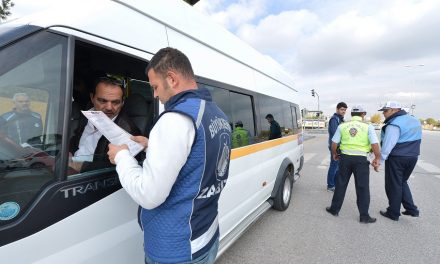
[359, 166]
[332, 172]
[397, 172]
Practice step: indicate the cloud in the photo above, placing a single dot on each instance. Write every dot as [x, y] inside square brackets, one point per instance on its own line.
[352, 51]
[235, 14]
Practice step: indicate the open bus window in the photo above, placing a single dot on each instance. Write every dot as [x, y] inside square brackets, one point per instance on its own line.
[243, 132]
[282, 114]
[87, 147]
[238, 108]
[32, 74]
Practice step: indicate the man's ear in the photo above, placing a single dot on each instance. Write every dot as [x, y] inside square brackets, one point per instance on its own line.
[172, 79]
[91, 97]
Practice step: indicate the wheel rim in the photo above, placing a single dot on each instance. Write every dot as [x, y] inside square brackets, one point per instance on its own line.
[286, 191]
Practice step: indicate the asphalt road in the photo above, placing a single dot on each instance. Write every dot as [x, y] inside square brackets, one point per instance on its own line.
[306, 233]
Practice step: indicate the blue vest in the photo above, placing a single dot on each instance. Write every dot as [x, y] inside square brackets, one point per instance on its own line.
[185, 226]
[22, 127]
[408, 144]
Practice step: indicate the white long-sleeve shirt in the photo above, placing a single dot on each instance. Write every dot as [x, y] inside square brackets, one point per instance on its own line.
[88, 142]
[169, 146]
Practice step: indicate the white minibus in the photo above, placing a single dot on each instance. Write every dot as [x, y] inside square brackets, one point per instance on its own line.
[53, 213]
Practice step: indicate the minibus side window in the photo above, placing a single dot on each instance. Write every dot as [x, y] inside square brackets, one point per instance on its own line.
[288, 119]
[221, 98]
[273, 106]
[32, 76]
[133, 111]
[242, 119]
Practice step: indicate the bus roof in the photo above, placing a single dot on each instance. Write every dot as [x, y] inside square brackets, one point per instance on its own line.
[123, 21]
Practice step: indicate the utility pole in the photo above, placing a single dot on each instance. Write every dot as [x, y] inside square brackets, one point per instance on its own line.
[413, 106]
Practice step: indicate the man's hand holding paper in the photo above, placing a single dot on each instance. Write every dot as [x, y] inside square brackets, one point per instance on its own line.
[115, 134]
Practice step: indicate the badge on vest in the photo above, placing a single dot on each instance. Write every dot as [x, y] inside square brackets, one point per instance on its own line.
[223, 156]
[353, 131]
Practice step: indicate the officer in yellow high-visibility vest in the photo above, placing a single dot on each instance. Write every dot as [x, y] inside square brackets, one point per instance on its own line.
[356, 139]
[240, 136]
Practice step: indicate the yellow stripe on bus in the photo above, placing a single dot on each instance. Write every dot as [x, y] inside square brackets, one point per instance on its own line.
[243, 151]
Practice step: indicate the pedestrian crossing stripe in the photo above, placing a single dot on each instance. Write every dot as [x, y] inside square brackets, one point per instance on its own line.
[426, 166]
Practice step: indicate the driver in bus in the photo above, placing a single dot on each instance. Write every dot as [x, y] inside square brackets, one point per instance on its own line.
[88, 145]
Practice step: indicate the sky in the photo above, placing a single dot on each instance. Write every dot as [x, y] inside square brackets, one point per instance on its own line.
[362, 52]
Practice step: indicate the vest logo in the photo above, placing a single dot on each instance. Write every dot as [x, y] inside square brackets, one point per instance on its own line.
[223, 156]
[212, 190]
[353, 131]
[9, 210]
[217, 125]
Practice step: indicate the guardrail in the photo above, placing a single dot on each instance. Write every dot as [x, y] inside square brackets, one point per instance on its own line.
[314, 123]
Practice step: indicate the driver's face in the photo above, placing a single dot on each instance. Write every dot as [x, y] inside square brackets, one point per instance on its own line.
[108, 99]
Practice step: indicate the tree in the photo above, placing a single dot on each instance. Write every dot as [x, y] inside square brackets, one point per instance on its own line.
[375, 119]
[431, 121]
[5, 6]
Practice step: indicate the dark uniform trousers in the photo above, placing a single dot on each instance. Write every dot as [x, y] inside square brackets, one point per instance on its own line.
[397, 172]
[359, 167]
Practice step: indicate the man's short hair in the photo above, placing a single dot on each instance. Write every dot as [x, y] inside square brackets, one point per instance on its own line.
[171, 59]
[269, 116]
[341, 105]
[16, 95]
[238, 124]
[110, 80]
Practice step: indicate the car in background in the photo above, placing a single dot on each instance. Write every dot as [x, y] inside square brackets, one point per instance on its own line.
[14, 156]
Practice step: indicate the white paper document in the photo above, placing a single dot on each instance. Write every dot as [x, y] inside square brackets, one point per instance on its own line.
[115, 134]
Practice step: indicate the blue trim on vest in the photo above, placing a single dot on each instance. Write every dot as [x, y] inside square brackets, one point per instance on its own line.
[191, 207]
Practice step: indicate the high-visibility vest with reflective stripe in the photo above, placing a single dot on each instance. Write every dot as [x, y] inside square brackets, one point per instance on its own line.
[240, 137]
[354, 137]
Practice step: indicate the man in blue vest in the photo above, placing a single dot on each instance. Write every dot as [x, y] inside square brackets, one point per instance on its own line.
[185, 169]
[400, 138]
[333, 123]
[357, 139]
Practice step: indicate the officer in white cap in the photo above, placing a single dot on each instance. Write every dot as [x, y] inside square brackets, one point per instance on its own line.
[400, 139]
[356, 139]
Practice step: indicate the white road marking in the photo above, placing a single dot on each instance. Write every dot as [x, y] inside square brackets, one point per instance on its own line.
[308, 156]
[324, 163]
[428, 167]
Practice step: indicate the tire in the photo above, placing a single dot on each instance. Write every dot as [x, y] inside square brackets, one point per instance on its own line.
[282, 199]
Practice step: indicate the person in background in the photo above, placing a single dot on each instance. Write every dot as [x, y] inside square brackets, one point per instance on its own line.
[356, 139]
[21, 124]
[400, 139]
[240, 136]
[275, 130]
[333, 123]
[186, 166]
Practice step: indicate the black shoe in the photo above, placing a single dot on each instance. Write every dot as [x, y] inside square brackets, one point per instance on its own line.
[367, 220]
[330, 211]
[413, 214]
[387, 215]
